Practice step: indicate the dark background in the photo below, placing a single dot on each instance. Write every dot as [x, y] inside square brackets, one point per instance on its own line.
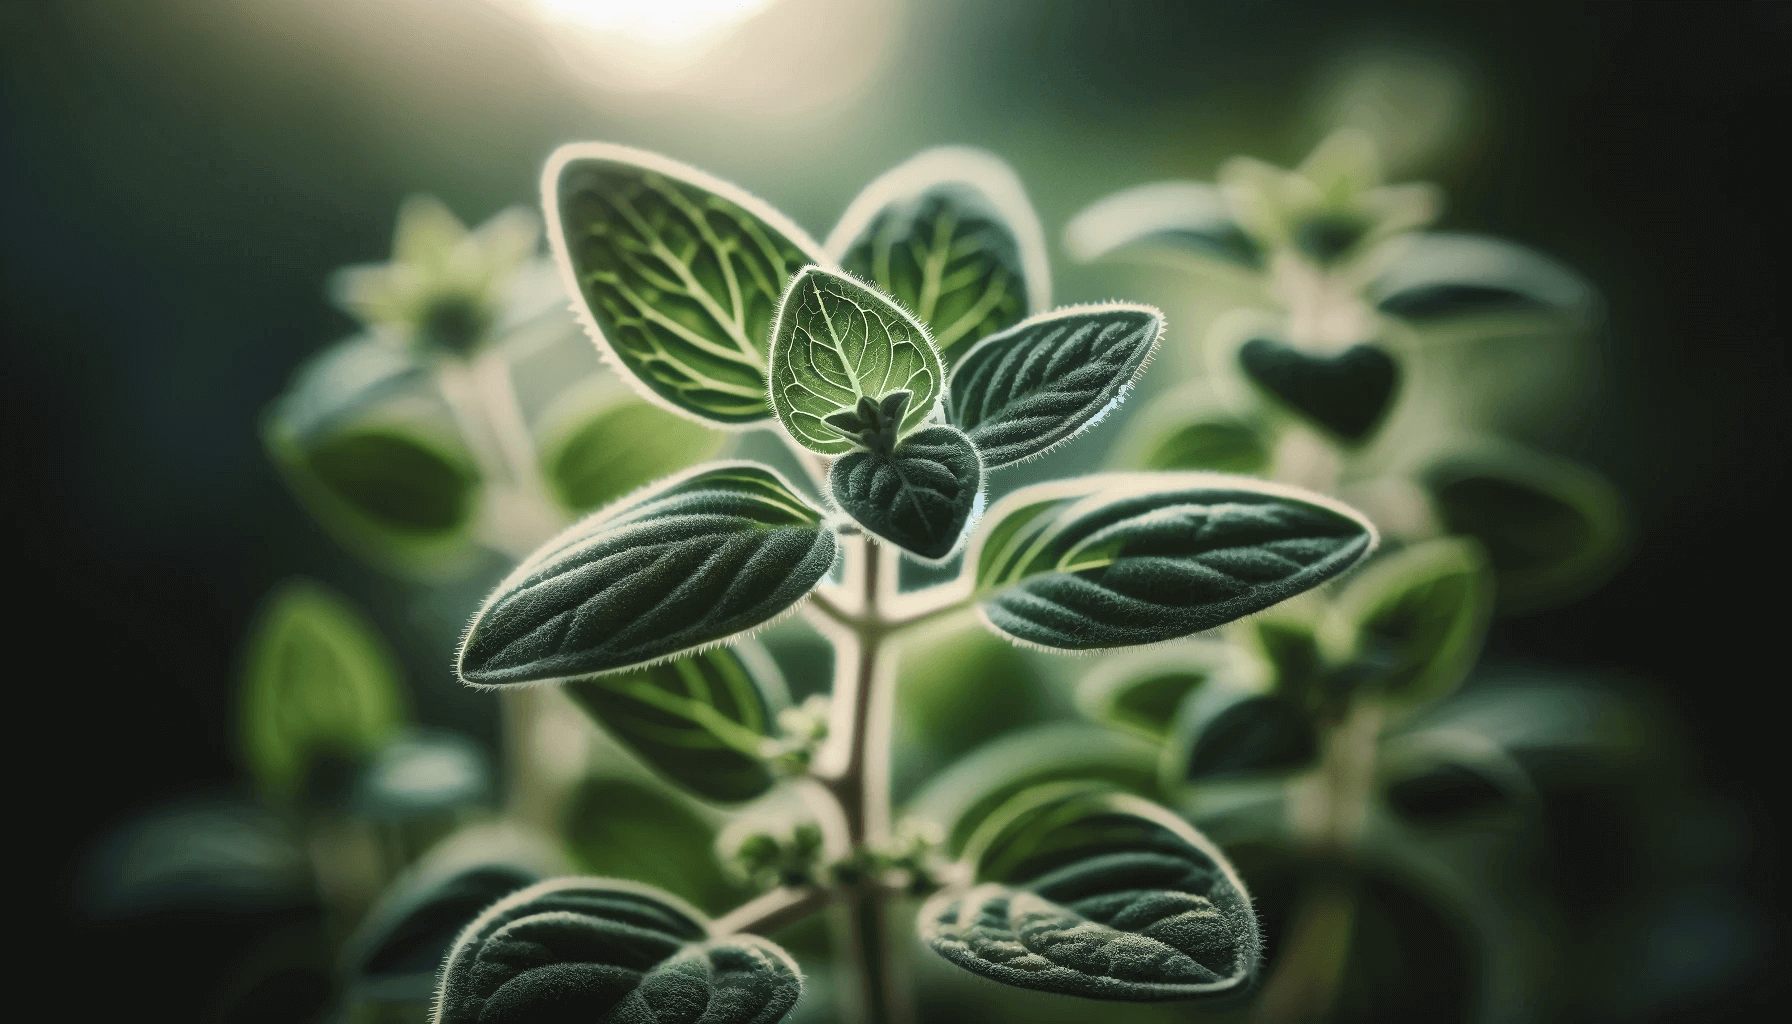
[172, 201]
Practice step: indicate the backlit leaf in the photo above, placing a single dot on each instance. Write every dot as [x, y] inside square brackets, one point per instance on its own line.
[1169, 217]
[1414, 621]
[683, 564]
[918, 496]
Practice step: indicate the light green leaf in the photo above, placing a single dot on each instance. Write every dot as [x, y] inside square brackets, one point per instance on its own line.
[918, 496]
[678, 275]
[1139, 691]
[1415, 620]
[1101, 895]
[703, 720]
[602, 949]
[626, 830]
[688, 562]
[1189, 428]
[1180, 218]
[837, 341]
[618, 447]
[319, 686]
[1126, 559]
[951, 236]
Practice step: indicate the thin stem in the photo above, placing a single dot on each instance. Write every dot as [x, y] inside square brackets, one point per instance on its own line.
[782, 906]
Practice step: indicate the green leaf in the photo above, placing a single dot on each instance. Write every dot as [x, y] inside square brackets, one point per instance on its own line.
[1098, 895]
[1415, 620]
[1551, 529]
[837, 341]
[951, 235]
[1123, 559]
[1190, 428]
[320, 686]
[1183, 218]
[918, 496]
[703, 720]
[626, 830]
[1347, 393]
[1139, 691]
[1288, 646]
[603, 949]
[688, 562]
[1032, 387]
[1437, 276]
[1229, 732]
[960, 798]
[1454, 778]
[618, 448]
[678, 275]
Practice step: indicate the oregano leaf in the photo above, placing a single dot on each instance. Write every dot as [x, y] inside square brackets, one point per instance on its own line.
[607, 949]
[1032, 387]
[681, 565]
[1442, 275]
[1140, 691]
[702, 720]
[1135, 558]
[918, 495]
[1182, 218]
[1446, 777]
[951, 235]
[1228, 732]
[1414, 621]
[677, 275]
[624, 445]
[1347, 393]
[838, 341]
[1102, 895]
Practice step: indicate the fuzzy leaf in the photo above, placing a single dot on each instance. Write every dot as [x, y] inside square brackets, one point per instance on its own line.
[1227, 732]
[1122, 559]
[1140, 691]
[1415, 620]
[606, 950]
[1438, 276]
[1031, 387]
[677, 274]
[1099, 895]
[1170, 217]
[919, 496]
[690, 561]
[701, 720]
[1348, 393]
[837, 341]
[951, 235]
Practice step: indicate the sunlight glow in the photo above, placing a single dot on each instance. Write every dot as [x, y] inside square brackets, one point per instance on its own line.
[642, 44]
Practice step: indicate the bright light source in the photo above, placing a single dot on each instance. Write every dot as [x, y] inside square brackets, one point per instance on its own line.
[641, 44]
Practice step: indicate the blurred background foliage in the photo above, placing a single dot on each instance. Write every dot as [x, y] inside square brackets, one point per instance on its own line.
[183, 177]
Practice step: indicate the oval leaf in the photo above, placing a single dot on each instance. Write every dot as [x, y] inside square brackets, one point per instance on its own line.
[604, 949]
[951, 235]
[690, 561]
[919, 496]
[1138, 558]
[677, 275]
[838, 341]
[1030, 388]
[1169, 217]
[1140, 691]
[1099, 895]
[1348, 393]
[1439, 275]
[1415, 620]
[1226, 732]
[702, 721]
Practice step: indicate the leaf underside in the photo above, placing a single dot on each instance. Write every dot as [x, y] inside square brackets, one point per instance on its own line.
[692, 561]
[918, 496]
[1033, 386]
[1347, 393]
[1123, 560]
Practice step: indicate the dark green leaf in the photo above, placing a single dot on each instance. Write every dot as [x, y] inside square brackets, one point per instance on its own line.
[951, 235]
[1023, 391]
[1437, 276]
[1226, 732]
[1141, 691]
[623, 829]
[702, 720]
[690, 561]
[1347, 393]
[678, 274]
[1122, 559]
[1446, 777]
[1170, 217]
[606, 950]
[1415, 620]
[320, 685]
[619, 448]
[838, 341]
[918, 497]
[1099, 895]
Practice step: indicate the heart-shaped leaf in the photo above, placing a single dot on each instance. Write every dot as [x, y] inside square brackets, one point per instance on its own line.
[690, 561]
[918, 496]
[702, 720]
[677, 275]
[1437, 276]
[609, 950]
[837, 341]
[1171, 217]
[1140, 691]
[1137, 558]
[1023, 391]
[951, 235]
[1099, 895]
[1415, 620]
[1347, 393]
[1228, 732]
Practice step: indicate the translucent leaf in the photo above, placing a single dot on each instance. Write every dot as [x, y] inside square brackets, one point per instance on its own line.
[1140, 691]
[320, 689]
[838, 341]
[626, 830]
[1347, 393]
[678, 275]
[1031, 387]
[951, 235]
[1439, 275]
[1182, 217]
[618, 448]
[1228, 732]
[604, 949]
[1099, 895]
[702, 720]
[679, 566]
[918, 496]
[1415, 620]
[1121, 559]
